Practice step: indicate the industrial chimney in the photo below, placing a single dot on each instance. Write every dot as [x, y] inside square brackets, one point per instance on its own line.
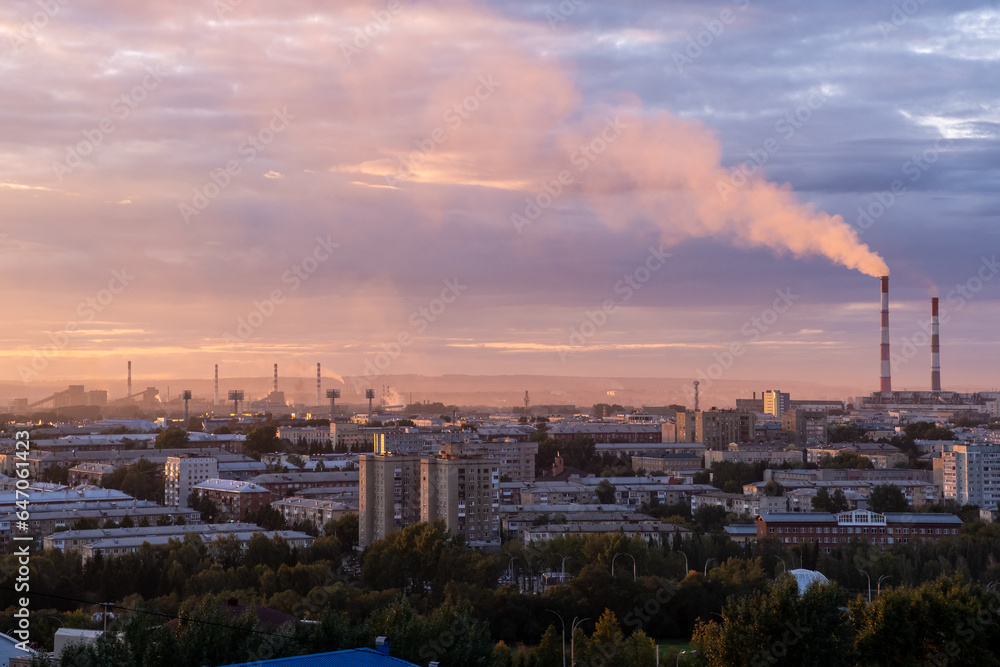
[885, 380]
[129, 390]
[276, 378]
[935, 347]
[216, 385]
[319, 386]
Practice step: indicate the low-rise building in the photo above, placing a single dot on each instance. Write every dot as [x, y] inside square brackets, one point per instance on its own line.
[283, 484]
[828, 530]
[89, 473]
[235, 500]
[651, 531]
[316, 512]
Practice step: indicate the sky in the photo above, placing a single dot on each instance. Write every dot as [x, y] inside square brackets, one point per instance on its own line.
[647, 188]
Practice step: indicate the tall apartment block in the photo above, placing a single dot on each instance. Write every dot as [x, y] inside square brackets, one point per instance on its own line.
[463, 490]
[182, 473]
[970, 473]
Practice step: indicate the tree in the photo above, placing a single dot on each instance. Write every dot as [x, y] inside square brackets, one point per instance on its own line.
[268, 518]
[824, 502]
[605, 492]
[779, 627]
[887, 498]
[261, 439]
[346, 529]
[773, 488]
[846, 460]
[710, 518]
[173, 437]
[605, 645]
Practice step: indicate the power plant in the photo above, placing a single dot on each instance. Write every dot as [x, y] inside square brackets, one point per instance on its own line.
[934, 401]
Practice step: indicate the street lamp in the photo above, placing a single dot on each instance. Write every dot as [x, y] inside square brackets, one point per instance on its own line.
[572, 640]
[878, 589]
[783, 565]
[869, 584]
[706, 565]
[563, 633]
[562, 568]
[692, 652]
[613, 564]
[686, 568]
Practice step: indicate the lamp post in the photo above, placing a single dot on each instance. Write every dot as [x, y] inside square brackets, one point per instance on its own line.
[706, 566]
[783, 565]
[613, 564]
[692, 652]
[869, 584]
[686, 568]
[563, 633]
[878, 589]
[572, 640]
[562, 568]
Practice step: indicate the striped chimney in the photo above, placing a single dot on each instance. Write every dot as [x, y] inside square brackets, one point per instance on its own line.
[935, 347]
[216, 385]
[276, 377]
[319, 386]
[885, 379]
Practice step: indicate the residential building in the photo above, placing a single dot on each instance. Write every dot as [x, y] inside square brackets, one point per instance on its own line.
[89, 473]
[182, 473]
[315, 511]
[283, 484]
[970, 473]
[650, 530]
[306, 435]
[462, 489]
[716, 428]
[389, 494]
[808, 427]
[235, 500]
[775, 402]
[828, 530]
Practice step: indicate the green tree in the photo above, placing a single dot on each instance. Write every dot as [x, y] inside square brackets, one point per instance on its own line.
[825, 502]
[346, 529]
[605, 645]
[261, 439]
[605, 492]
[773, 488]
[639, 650]
[779, 627]
[888, 498]
[173, 437]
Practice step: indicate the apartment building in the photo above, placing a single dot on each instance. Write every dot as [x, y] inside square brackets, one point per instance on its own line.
[182, 473]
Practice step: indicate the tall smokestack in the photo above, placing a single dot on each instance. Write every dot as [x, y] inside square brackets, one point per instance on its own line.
[129, 391]
[885, 380]
[935, 347]
[319, 386]
[276, 377]
[216, 385]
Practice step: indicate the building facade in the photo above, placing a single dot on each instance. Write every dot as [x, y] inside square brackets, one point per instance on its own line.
[182, 473]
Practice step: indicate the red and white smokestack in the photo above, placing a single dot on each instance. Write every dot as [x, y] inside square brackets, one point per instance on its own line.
[276, 377]
[216, 384]
[885, 379]
[129, 391]
[935, 347]
[319, 386]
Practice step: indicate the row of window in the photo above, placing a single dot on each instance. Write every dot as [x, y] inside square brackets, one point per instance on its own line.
[862, 531]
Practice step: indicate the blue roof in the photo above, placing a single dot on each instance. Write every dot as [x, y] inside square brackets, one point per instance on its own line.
[360, 657]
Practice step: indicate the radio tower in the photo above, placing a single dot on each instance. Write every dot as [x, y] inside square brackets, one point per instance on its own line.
[370, 395]
[696, 383]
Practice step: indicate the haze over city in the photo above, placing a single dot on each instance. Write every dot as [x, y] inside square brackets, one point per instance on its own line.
[497, 188]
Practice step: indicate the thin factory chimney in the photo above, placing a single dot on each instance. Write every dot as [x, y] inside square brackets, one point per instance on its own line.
[885, 380]
[276, 378]
[216, 385]
[129, 390]
[935, 347]
[319, 386]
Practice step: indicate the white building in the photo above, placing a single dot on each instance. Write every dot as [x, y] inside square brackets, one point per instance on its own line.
[182, 473]
[970, 473]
